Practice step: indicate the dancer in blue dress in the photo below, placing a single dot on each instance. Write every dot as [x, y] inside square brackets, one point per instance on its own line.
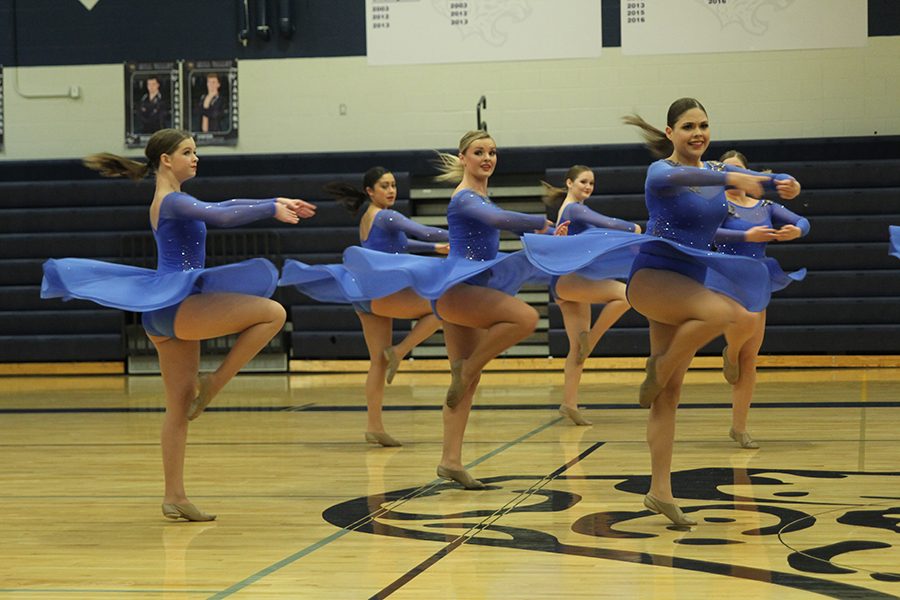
[479, 322]
[750, 225]
[182, 302]
[385, 230]
[575, 293]
[686, 201]
[894, 232]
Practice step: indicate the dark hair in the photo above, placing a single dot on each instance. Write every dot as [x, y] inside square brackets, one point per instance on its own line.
[553, 196]
[656, 140]
[351, 197]
[164, 141]
[734, 154]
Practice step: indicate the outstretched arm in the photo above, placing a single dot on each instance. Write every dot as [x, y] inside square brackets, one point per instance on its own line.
[232, 213]
[391, 220]
[475, 207]
[581, 213]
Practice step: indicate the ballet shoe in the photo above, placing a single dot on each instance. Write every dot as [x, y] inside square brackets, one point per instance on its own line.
[393, 363]
[574, 414]
[455, 391]
[584, 349]
[185, 511]
[650, 389]
[732, 371]
[670, 510]
[460, 476]
[744, 439]
[382, 438]
[199, 404]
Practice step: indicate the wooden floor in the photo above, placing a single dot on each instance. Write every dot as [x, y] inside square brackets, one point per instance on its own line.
[308, 510]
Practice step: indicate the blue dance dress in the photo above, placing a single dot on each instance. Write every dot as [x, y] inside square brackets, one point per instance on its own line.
[686, 206]
[765, 213]
[474, 234]
[894, 231]
[181, 245]
[582, 219]
[389, 233]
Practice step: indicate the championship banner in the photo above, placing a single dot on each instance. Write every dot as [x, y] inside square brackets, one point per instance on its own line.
[152, 100]
[715, 26]
[405, 32]
[211, 101]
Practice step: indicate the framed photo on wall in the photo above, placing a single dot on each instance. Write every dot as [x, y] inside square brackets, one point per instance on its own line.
[1, 108]
[211, 101]
[152, 100]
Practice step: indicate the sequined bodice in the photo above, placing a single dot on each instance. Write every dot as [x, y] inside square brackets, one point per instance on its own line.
[180, 245]
[475, 223]
[688, 215]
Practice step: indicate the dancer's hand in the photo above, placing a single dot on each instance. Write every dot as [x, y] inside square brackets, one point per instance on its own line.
[285, 214]
[761, 234]
[443, 248]
[788, 232]
[545, 228]
[301, 208]
[752, 185]
[562, 228]
[637, 228]
[787, 189]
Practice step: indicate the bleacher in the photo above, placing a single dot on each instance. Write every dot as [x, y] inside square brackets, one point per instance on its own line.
[848, 304]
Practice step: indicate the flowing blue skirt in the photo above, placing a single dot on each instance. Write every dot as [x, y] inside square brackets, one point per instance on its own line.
[610, 254]
[142, 290]
[895, 240]
[368, 274]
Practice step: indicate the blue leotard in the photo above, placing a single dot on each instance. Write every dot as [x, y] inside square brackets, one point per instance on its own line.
[390, 229]
[765, 213]
[181, 245]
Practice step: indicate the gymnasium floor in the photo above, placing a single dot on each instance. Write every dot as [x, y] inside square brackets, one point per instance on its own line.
[306, 509]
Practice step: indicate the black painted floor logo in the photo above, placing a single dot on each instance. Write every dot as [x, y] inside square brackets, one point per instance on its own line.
[742, 513]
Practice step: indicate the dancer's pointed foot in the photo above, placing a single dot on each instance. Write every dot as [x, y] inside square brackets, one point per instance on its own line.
[732, 371]
[460, 476]
[670, 510]
[204, 397]
[574, 414]
[456, 390]
[584, 348]
[393, 363]
[744, 439]
[185, 511]
[382, 438]
[650, 388]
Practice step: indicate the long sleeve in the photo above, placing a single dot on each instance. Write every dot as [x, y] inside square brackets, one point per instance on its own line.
[475, 207]
[579, 213]
[417, 246]
[782, 216]
[730, 236]
[391, 220]
[231, 213]
[663, 175]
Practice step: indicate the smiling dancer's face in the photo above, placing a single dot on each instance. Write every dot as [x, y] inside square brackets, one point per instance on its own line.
[183, 161]
[690, 136]
[480, 158]
[582, 186]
